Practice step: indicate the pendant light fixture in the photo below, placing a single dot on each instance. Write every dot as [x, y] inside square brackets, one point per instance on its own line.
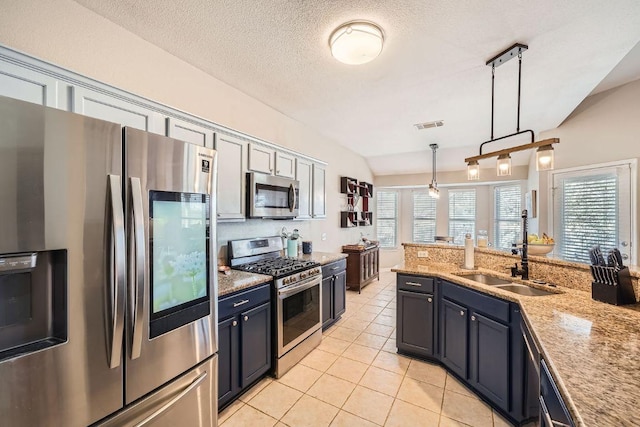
[544, 154]
[356, 42]
[433, 187]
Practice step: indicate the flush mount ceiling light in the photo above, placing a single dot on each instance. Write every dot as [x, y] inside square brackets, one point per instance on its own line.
[433, 187]
[544, 154]
[356, 42]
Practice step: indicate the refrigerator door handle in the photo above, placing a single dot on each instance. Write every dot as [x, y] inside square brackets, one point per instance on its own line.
[117, 279]
[136, 265]
[194, 384]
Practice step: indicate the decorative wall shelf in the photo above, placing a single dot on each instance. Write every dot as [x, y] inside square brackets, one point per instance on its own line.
[357, 214]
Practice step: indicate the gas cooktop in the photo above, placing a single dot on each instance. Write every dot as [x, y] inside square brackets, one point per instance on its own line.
[277, 267]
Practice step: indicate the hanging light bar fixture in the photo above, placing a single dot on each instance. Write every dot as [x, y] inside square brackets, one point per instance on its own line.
[433, 187]
[544, 154]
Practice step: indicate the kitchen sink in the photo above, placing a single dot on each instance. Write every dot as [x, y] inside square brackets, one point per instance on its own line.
[516, 288]
[486, 280]
[524, 290]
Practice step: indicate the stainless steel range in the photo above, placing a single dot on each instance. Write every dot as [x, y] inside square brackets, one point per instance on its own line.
[297, 296]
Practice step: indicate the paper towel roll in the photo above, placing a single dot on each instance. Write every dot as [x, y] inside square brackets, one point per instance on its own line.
[468, 252]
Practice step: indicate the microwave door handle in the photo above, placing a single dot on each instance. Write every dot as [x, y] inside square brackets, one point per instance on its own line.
[137, 271]
[292, 198]
[117, 274]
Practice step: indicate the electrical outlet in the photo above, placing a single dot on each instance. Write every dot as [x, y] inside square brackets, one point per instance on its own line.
[423, 254]
[324, 236]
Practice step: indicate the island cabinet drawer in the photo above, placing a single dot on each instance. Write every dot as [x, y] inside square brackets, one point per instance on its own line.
[334, 268]
[491, 306]
[416, 284]
[233, 304]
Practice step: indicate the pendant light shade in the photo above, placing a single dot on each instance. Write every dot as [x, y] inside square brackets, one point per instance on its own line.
[356, 42]
[544, 158]
[434, 192]
[473, 171]
[503, 167]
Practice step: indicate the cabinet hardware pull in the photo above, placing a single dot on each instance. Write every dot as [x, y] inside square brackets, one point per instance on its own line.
[235, 323]
[243, 302]
[429, 299]
[461, 313]
[246, 318]
[473, 318]
[414, 284]
[334, 268]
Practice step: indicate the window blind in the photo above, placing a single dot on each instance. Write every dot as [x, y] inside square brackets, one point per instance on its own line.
[588, 215]
[387, 218]
[462, 214]
[507, 226]
[424, 217]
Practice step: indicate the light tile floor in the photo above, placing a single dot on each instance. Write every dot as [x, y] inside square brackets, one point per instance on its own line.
[355, 378]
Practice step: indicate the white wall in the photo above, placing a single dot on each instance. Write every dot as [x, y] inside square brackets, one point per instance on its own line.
[68, 35]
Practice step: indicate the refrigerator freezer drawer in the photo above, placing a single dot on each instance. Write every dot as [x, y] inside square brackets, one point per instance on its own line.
[189, 400]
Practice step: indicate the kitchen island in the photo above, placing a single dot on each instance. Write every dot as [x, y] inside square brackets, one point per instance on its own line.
[591, 347]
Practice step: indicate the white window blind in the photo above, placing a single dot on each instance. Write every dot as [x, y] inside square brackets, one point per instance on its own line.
[462, 214]
[424, 217]
[387, 218]
[507, 226]
[592, 207]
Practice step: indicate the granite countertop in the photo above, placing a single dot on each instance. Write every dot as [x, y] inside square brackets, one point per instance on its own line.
[239, 280]
[591, 348]
[322, 257]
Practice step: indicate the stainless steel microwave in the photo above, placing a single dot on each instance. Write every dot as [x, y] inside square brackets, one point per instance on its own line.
[271, 196]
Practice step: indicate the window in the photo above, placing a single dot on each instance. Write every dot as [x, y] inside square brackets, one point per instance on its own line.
[507, 226]
[387, 218]
[462, 214]
[424, 217]
[592, 207]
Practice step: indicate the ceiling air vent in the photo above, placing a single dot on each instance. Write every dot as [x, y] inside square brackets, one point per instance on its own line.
[427, 125]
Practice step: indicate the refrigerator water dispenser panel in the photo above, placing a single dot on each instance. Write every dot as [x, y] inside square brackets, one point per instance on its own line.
[33, 303]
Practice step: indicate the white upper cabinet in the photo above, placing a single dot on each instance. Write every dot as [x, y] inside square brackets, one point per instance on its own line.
[261, 158]
[319, 204]
[189, 132]
[285, 165]
[26, 85]
[232, 167]
[105, 107]
[304, 174]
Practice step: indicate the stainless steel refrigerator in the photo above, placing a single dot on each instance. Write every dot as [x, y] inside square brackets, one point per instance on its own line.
[108, 289]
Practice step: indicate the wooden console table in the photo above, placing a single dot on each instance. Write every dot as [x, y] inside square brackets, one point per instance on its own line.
[362, 265]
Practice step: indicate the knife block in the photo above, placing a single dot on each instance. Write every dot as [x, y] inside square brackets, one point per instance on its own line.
[620, 293]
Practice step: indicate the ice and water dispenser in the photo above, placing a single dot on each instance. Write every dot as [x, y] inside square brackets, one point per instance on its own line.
[33, 301]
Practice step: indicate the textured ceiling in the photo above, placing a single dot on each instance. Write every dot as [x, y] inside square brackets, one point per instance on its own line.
[432, 66]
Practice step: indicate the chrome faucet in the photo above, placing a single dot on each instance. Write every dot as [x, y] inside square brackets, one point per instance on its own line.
[524, 271]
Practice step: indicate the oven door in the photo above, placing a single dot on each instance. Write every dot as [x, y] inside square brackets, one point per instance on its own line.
[272, 197]
[299, 313]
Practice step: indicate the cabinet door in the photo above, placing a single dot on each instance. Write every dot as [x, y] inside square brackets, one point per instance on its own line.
[261, 159]
[489, 359]
[100, 106]
[228, 359]
[453, 337]
[256, 343]
[189, 132]
[339, 294]
[304, 174]
[232, 167]
[319, 207]
[327, 301]
[285, 165]
[415, 323]
[27, 85]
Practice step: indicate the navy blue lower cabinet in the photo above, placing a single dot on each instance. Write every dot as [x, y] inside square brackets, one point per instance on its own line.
[339, 294]
[415, 322]
[244, 341]
[453, 337]
[327, 301]
[489, 359]
[255, 341]
[334, 290]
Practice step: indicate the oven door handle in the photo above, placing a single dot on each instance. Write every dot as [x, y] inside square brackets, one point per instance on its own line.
[287, 292]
